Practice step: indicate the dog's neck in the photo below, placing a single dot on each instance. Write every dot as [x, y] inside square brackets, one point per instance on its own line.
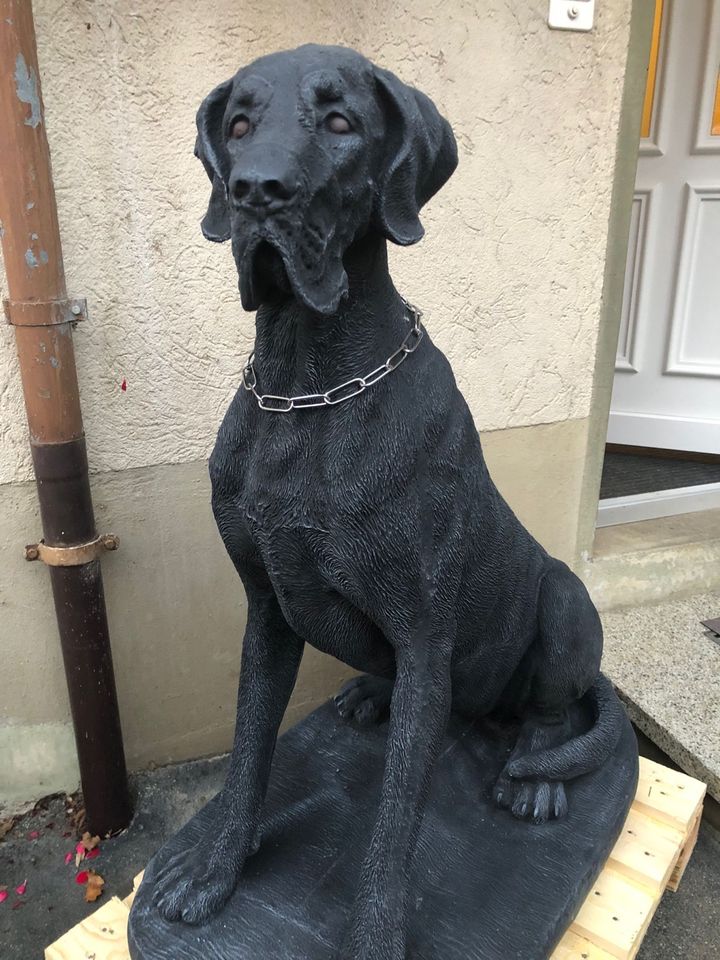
[298, 351]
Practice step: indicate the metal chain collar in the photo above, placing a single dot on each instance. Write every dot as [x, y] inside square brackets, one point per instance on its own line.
[343, 391]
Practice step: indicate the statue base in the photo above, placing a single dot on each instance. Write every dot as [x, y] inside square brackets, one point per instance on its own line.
[485, 886]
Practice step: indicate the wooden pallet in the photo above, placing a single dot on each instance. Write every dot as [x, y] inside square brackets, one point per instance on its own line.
[649, 857]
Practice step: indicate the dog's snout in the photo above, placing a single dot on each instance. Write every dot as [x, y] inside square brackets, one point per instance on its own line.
[270, 179]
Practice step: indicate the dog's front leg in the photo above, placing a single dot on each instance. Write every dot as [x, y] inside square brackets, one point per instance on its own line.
[418, 717]
[198, 882]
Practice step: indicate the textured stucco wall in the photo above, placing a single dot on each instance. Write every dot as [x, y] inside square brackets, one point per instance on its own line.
[509, 276]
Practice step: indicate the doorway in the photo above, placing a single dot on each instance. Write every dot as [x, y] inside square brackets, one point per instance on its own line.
[663, 445]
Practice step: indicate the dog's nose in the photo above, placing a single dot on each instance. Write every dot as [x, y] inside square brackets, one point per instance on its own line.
[260, 190]
[264, 184]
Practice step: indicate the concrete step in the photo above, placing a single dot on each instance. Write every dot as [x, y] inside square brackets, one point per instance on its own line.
[666, 668]
[652, 561]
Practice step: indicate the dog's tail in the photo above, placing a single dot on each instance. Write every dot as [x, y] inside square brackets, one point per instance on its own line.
[581, 754]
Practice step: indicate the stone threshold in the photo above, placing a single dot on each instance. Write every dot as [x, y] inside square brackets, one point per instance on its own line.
[666, 668]
[652, 561]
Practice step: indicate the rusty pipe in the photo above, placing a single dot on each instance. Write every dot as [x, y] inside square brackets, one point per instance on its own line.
[43, 318]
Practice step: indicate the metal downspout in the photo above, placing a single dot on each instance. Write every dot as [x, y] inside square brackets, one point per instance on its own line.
[43, 318]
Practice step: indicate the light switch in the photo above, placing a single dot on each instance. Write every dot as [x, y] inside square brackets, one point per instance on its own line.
[571, 15]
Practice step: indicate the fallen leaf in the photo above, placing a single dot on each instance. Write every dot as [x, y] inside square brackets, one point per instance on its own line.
[82, 877]
[88, 842]
[94, 887]
[20, 891]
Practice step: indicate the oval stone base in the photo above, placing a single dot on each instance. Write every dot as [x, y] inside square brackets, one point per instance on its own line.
[485, 886]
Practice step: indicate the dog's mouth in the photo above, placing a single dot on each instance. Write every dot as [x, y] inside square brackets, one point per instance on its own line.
[282, 257]
[262, 272]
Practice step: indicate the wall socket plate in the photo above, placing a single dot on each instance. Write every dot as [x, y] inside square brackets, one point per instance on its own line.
[571, 15]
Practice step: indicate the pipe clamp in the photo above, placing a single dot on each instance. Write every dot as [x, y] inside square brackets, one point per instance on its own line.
[44, 313]
[72, 556]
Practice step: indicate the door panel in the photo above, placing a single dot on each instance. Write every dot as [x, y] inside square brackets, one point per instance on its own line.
[694, 347]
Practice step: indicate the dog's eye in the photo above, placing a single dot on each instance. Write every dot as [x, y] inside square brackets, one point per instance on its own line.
[239, 128]
[337, 123]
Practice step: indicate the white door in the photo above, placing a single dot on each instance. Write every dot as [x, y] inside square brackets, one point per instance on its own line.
[667, 382]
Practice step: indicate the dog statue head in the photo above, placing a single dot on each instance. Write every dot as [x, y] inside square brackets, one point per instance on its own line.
[309, 150]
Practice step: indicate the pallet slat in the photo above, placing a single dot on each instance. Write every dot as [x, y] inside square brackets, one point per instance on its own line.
[646, 851]
[574, 947]
[101, 936]
[669, 796]
[615, 915]
[649, 857]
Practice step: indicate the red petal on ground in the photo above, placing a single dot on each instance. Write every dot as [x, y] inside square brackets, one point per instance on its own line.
[33, 835]
[92, 853]
[79, 848]
[69, 858]
[3, 896]
[20, 891]
[123, 385]
[82, 877]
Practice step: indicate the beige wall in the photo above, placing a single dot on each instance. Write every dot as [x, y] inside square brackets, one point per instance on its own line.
[509, 276]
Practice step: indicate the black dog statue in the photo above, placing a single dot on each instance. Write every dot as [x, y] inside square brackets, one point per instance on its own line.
[350, 489]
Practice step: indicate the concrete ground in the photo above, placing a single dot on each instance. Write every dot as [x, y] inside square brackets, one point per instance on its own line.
[686, 926]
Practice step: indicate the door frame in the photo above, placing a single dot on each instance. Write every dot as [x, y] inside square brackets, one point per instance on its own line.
[642, 18]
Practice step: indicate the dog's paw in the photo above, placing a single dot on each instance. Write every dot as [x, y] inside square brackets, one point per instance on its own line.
[364, 700]
[536, 801]
[195, 884]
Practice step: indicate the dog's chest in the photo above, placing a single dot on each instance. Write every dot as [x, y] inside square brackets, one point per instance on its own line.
[279, 488]
[304, 552]
[285, 484]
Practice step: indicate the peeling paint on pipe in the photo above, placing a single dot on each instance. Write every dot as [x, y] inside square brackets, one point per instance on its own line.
[27, 90]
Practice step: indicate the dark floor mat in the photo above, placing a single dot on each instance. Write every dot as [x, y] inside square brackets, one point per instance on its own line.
[626, 475]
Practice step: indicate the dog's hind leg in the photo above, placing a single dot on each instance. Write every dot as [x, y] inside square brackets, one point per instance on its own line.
[364, 699]
[561, 666]
[536, 800]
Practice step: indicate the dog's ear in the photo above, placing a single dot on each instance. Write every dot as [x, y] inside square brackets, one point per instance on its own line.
[215, 224]
[420, 156]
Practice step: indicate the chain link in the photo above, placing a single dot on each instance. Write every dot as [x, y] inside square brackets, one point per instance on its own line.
[343, 391]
